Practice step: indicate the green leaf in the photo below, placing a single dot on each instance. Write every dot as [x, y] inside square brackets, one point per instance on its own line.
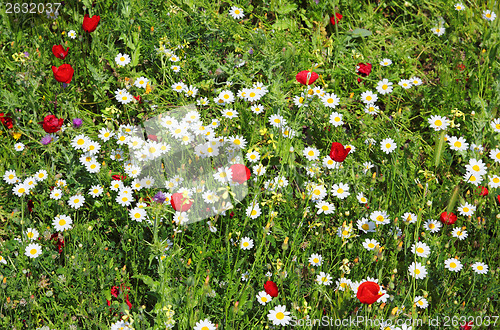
[357, 33]
[288, 8]
[153, 285]
[135, 55]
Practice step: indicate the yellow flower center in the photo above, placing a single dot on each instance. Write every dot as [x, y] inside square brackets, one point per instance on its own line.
[417, 271]
[368, 98]
[420, 250]
[475, 168]
[62, 222]
[122, 59]
[280, 316]
[33, 251]
[453, 265]
[315, 260]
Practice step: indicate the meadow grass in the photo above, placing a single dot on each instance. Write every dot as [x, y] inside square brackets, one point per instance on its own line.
[125, 258]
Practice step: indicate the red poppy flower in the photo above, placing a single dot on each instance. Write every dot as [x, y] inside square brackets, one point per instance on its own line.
[51, 124]
[303, 76]
[334, 20]
[364, 70]
[448, 219]
[368, 292]
[180, 203]
[498, 198]
[59, 240]
[6, 121]
[114, 291]
[484, 191]
[118, 177]
[64, 73]
[271, 288]
[153, 137]
[467, 326]
[338, 153]
[90, 23]
[59, 52]
[241, 173]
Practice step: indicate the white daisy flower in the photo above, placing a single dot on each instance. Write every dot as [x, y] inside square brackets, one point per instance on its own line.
[336, 119]
[340, 190]
[385, 62]
[236, 12]
[388, 145]
[141, 82]
[33, 250]
[417, 270]
[330, 100]
[246, 243]
[489, 15]
[459, 233]
[62, 222]
[453, 265]
[480, 267]
[315, 260]
[439, 31]
[369, 97]
[76, 201]
[384, 86]
[122, 59]
[438, 123]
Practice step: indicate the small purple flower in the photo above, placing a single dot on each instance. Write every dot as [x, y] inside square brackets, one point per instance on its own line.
[64, 85]
[77, 122]
[250, 51]
[160, 197]
[46, 139]
[26, 54]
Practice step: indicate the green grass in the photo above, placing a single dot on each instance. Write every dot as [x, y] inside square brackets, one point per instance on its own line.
[200, 275]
